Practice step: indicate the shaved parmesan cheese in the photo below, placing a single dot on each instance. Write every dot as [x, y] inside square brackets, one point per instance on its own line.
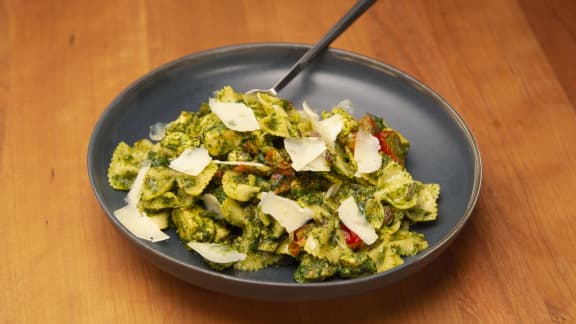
[191, 161]
[328, 128]
[217, 253]
[212, 204]
[366, 153]
[303, 150]
[139, 224]
[350, 215]
[253, 164]
[332, 191]
[347, 105]
[287, 212]
[318, 164]
[235, 115]
[136, 190]
[312, 115]
[157, 131]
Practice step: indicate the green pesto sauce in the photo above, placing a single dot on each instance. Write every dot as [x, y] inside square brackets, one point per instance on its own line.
[389, 198]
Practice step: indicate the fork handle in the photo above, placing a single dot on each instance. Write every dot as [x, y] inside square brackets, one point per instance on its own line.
[359, 8]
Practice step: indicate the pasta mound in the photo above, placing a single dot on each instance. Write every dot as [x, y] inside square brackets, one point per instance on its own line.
[222, 203]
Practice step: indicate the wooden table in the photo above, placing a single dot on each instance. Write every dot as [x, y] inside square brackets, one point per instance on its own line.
[509, 67]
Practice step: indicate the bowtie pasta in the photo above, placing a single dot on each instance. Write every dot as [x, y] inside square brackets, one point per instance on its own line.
[249, 181]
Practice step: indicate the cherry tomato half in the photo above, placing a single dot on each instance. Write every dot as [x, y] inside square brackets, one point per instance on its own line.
[352, 240]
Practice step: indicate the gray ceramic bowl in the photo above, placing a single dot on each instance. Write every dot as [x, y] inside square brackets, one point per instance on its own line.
[442, 149]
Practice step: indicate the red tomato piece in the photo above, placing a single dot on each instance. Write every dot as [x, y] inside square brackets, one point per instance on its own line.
[352, 240]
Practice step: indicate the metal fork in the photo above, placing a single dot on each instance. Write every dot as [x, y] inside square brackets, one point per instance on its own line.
[354, 13]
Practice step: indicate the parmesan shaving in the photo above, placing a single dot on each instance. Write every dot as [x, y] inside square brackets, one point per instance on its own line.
[252, 164]
[350, 215]
[303, 150]
[319, 164]
[235, 115]
[217, 253]
[328, 128]
[135, 192]
[191, 161]
[332, 191]
[157, 131]
[212, 204]
[287, 212]
[366, 153]
[347, 105]
[139, 224]
[136, 222]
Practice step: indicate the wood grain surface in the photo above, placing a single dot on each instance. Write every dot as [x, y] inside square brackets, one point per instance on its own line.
[508, 66]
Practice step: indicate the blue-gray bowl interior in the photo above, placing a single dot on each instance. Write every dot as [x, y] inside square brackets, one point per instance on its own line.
[442, 149]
